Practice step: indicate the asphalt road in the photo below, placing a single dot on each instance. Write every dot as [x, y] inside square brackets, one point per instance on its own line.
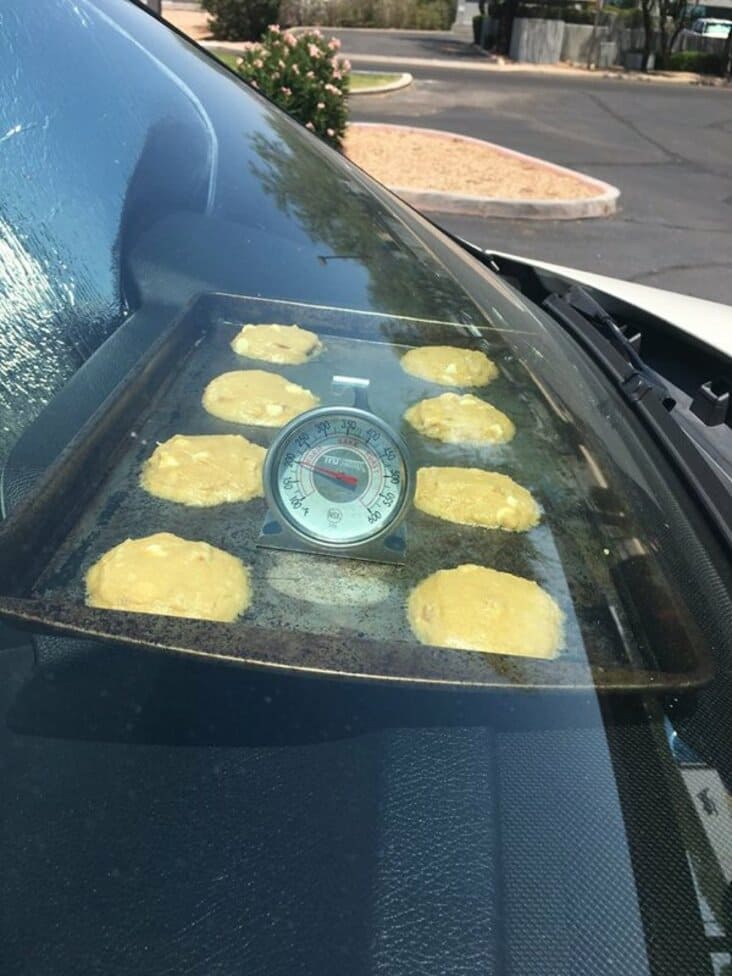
[667, 146]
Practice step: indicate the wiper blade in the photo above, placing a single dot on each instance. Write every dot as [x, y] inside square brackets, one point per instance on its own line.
[647, 395]
[581, 300]
[589, 322]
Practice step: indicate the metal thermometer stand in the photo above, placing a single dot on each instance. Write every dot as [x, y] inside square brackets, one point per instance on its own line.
[389, 548]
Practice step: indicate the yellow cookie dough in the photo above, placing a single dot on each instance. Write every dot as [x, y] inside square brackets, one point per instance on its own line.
[205, 470]
[474, 608]
[165, 574]
[253, 396]
[470, 496]
[457, 419]
[450, 366]
[277, 343]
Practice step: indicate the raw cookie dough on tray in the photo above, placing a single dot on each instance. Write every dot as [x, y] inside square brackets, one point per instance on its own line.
[256, 397]
[165, 574]
[474, 608]
[456, 419]
[202, 470]
[469, 496]
[450, 365]
[284, 344]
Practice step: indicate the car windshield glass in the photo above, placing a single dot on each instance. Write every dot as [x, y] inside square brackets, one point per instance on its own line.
[364, 626]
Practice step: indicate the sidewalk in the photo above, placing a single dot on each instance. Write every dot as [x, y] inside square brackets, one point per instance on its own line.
[193, 22]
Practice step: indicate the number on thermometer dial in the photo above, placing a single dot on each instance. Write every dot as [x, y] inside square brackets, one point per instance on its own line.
[338, 476]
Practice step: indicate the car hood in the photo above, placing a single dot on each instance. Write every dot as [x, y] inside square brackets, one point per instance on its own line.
[708, 322]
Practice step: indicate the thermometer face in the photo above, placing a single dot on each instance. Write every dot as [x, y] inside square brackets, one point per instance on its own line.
[338, 477]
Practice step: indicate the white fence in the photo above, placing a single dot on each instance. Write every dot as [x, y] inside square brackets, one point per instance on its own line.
[536, 41]
[688, 41]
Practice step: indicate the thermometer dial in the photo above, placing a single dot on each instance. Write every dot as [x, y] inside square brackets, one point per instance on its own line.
[338, 477]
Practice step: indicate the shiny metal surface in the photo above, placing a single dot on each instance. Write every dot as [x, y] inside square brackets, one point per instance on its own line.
[289, 625]
[321, 535]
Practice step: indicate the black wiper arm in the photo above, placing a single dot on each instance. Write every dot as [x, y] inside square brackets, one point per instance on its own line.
[609, 347]
[582, 301]
[649, 400]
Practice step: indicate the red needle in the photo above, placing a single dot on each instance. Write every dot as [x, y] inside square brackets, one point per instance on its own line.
[347, 479]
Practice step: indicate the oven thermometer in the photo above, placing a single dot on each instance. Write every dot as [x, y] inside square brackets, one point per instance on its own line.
[338, 480]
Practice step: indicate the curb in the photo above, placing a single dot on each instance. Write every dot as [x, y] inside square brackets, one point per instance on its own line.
[558, 70]
[300, 28]
[604, 204]
[402, 81]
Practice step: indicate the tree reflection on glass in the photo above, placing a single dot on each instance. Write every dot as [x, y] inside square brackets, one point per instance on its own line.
[336, 209]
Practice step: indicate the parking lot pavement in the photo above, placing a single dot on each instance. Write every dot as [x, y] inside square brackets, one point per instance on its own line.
[667, 147]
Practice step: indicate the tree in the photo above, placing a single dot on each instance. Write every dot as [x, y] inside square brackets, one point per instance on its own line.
[506, 16]
[343, 215]
[647, 15]
[673, 13]
[727, 56]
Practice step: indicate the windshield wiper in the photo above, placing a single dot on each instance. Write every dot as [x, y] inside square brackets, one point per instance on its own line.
[597, 331]
[584, 303]
[586, 320]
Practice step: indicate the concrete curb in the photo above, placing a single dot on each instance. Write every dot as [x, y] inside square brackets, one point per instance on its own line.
[402, 81]
[558, 70]
[395, 31]
[604, 204]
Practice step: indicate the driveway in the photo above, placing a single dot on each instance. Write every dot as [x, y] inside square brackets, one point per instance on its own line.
[442, 45]
[667, 146]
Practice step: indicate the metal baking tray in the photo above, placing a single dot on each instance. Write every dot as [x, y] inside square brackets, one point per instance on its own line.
[318, 614]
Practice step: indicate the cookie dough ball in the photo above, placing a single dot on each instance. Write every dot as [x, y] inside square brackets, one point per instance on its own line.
[470, 496]
[277, 343]
[253, 396]
[165, 574]
[204, 470]
[450, 366]
[474, 608]
[456, 419]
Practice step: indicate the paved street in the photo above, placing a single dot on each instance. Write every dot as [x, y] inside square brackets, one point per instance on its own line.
[667, 146]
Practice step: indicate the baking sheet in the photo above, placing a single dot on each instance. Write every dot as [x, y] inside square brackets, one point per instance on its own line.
[316, 613]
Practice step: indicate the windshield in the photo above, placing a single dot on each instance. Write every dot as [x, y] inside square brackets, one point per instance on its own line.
[386, 639]
[719, 28]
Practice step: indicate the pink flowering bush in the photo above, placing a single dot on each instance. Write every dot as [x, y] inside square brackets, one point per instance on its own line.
[303, 75]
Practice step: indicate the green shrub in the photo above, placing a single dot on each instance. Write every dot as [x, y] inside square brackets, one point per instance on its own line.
[629, 18]
[703, 62]
[240, 20]
[404, 14]
[539, 11]
[477, 28]
[570, 15]
[301, 75]
[435, 15]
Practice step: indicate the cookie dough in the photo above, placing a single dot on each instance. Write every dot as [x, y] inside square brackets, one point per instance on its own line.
[277, 343]
[205, 470]
[450, 366]
[165, 574]
[253, 396]
[474, 608]
[470, 496]
[456, 419]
